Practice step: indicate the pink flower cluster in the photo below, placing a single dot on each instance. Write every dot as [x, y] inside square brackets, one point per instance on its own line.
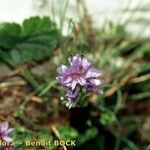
[5, 131]
[78, 76]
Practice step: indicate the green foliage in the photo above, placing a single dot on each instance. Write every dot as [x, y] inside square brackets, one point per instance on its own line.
[10, 35]
[32, 41]
[88, 135]
[112, 31]
[68, 133]
[22, 136]
[107, 118]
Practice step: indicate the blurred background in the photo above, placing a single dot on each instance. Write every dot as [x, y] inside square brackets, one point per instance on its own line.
[37, 36]
[101, 11]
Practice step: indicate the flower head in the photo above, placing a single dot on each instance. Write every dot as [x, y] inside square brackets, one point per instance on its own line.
[79, 75]
[5, 131]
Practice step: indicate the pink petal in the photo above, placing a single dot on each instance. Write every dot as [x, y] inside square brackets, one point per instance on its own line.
[92, 73]
[85, 63]
[62, 70]
[7, 139]
[4, 126]
[82, 81]
[96, 82]
[75, 60]
[68, 84]
[67, 80]
[9, 131]
[73, 85]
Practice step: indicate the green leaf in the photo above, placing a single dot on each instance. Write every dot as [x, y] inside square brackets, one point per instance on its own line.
[15, 56]
[138, 53]
[88, 135]
[35, 26]
[32, 41]
[140, 96]
[10, 34]
[4, 56]
[68, 133]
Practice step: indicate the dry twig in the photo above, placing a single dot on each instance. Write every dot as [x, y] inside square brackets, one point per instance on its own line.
[139, 79]
[14, 83]
[54, 129]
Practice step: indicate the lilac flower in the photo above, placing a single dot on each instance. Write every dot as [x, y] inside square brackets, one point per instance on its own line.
[5, 131]
[79, 75]
[72, 96]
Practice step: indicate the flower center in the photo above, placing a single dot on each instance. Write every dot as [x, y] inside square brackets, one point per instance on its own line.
[75, 76]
